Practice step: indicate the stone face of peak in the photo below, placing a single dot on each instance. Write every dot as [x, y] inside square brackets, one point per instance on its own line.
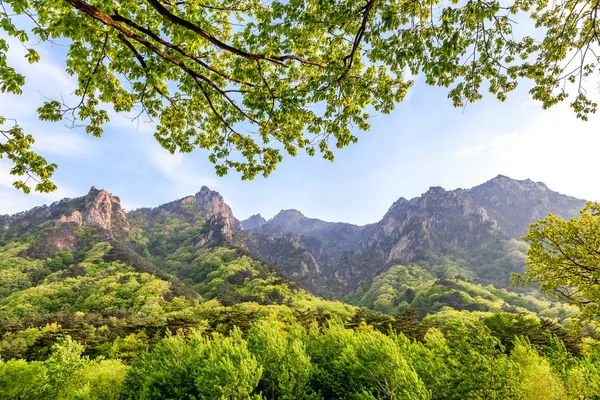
[56, 225]
[412, 229]
[287, 216]
[213, 203]
[98, 209]
[254, 222]
[446, 228]
[205, 207]
[294, 221]
[102, 210]
[515, 204]
[502, 182]
[206, 204]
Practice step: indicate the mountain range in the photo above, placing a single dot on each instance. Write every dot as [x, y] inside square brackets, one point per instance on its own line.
[472, 234]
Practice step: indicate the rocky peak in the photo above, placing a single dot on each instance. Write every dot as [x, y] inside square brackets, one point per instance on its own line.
[504, 183]
[294, 221]
[209, 199]
[287, 217]
[515, 204]
[438, 201]
[213, 203]
[255, 221]
[101, 210]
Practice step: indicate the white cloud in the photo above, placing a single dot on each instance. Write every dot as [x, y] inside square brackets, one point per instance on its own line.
[509, 139]
[12, 200]
[179, 170]
[70, 143]
[44, 78]
[552, 146]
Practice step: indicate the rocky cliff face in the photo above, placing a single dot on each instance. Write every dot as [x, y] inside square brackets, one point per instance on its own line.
[411, 229]
[98, 209]
[205, 206]
[212, 203]
[458, 230]
[56, 225]
[514, 204]
[101, 210]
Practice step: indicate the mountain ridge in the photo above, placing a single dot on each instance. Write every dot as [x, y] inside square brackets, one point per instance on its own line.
[452, 231]
[459, 224]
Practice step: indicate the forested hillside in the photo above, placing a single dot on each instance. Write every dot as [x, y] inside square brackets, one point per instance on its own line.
[184, 301]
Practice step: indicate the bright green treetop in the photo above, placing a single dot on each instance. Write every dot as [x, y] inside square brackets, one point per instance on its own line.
[564, 259]
[249, 80]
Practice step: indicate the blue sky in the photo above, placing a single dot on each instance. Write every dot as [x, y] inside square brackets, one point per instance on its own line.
[424, 142]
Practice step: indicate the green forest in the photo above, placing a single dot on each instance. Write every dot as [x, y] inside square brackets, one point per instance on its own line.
[487, 293]
[152, 316]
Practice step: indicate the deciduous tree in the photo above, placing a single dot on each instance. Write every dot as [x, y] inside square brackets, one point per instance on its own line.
[564, 259]
[250, 80]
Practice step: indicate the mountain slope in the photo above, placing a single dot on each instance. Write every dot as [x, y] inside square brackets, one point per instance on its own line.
[468, 233]
[515, 204]
[198, 246]
[83, 267]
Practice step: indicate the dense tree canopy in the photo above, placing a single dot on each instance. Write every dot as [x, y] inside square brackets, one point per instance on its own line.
[461, 360]
[564, 259]
[248, 80]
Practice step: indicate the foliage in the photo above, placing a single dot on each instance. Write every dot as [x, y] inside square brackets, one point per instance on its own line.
[537, 379]
[208, 368]
[16, 146]
[474, 352]
[281, 360]
[235, 77]
[400, 288]
[155, 315]
[361, 363]
[64, 375]
[563, 259]
[282, 354]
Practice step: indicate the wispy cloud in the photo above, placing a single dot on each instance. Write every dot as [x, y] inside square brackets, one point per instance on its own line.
[500, 141]
[12, 201]
[68, 144]
[551, 146]
[179, 170]
[44, 78]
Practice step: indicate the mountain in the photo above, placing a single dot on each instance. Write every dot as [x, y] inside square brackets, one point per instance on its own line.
[515, 204]
[255, 221]
[97, 209]
[471, 233]
[84, 267]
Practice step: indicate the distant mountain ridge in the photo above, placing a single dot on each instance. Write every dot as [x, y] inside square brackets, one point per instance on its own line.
[461, 232]
[458, 223]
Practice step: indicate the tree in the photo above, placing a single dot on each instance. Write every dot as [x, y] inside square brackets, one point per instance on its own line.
[477, 367]
[23, 380]
[361, 364]
[282, 354]
[535, 376]
[564, 259]
[248, 80]
[202, 367]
